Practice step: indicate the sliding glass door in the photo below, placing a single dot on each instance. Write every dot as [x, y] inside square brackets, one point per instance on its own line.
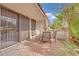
[9, 32]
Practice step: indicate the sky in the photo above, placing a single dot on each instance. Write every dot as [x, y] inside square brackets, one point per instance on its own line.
[52, 9]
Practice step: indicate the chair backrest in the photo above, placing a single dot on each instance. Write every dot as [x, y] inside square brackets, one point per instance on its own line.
[46, 36]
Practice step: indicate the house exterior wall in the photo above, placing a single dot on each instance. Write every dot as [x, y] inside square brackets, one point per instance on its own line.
[47, 25]
[0, 28]
[39, 27]
[27, 9]
[23, 27]
[30, 10]
[30, 21]
[33, 27]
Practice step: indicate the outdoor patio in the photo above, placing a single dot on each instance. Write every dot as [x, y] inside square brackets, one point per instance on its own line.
[37, 48]
[24, 33]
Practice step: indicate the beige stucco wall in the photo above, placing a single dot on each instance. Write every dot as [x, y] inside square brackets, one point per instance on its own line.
[0, 10]
[46, 21]
[23, 34]
[0, 31]
[27, 9]
[30, 10]
[39, 26]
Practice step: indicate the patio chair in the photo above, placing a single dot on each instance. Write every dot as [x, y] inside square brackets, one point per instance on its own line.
[38, 37]
[46, 37]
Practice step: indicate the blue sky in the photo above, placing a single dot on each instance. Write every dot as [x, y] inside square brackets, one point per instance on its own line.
[52, 9]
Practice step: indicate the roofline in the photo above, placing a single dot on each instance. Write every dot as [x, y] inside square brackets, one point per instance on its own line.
[39, 7]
